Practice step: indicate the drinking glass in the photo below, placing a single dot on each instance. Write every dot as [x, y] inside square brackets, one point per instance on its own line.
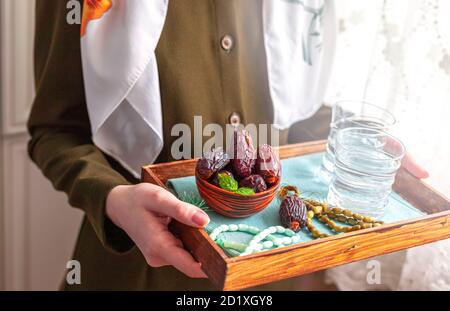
[351, 113]
[366, 163]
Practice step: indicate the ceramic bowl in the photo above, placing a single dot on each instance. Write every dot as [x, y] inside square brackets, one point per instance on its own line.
[231, 204]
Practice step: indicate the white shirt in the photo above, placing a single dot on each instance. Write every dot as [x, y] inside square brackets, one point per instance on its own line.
[121, 72]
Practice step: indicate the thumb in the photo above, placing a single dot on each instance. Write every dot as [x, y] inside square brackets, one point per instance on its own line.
[411, 165]
[184, 212]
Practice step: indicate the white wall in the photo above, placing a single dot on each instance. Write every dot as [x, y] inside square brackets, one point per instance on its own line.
[38, 228]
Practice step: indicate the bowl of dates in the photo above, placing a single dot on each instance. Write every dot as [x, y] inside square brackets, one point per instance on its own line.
[239, 183]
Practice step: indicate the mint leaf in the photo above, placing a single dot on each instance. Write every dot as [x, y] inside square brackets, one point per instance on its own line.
[245, 191]
[227, 182]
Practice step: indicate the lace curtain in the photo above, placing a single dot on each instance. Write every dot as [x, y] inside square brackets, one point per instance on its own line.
[396, 54]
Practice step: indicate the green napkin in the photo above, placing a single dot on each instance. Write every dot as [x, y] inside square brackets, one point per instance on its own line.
[301, 172]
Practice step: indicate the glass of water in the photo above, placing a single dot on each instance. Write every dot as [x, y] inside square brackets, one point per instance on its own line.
[366, 162]
[352, 113]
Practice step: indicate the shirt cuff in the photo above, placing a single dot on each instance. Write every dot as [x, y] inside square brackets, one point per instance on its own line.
[111, 236]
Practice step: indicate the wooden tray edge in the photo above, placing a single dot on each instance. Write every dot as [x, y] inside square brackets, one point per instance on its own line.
[198, 242]
[223, 270]
[330, 252]
[419, 194]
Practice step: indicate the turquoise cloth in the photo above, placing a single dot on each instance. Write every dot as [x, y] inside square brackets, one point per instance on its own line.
[301, 172]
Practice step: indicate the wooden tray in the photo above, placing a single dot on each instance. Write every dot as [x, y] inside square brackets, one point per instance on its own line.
[241, 272]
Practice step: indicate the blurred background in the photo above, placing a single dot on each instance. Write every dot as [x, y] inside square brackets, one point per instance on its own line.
[38, 228]
[393, 53]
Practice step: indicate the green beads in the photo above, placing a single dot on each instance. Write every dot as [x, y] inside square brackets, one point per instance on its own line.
[270, 238]
[233, 245]
[257, 243]
[263, 239]
[232, 228]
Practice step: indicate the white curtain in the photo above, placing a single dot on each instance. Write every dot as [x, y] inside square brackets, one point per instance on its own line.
[396, 54]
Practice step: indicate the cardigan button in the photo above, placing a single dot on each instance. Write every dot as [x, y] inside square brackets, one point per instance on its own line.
[227, 43]
[235, 119]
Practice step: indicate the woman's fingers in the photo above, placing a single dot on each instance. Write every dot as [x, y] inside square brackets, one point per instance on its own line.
[144, 212]
[408, 162]
[172, 251]
[411, 165]
[165, 220]
[183, 261]
[161, 248]
[156, 262]
[179, 243]
[167, 204]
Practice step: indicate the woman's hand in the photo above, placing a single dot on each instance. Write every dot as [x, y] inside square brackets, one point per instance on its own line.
[413, 167]
[144, 211]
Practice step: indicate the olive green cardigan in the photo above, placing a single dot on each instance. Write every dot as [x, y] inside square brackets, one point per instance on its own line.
[197, 77]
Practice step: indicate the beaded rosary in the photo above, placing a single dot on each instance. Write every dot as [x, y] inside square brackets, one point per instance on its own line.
[261, 240]
[303, 213]
[328, 215]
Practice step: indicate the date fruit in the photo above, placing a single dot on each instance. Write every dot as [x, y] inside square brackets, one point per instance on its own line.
[255, 182]
[293, 213]
[268, 164]
[204, 168]
[211, 163]
[244, 154]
